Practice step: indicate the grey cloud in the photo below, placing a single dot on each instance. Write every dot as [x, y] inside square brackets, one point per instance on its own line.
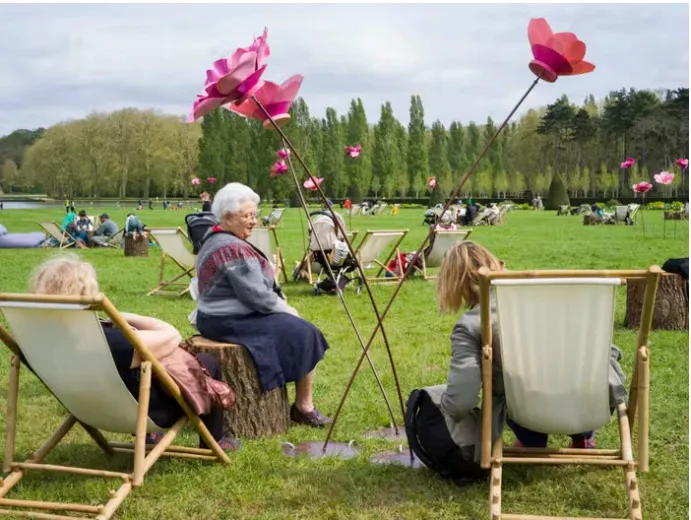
[467, 62]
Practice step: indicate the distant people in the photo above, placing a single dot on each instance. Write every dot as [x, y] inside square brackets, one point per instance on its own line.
[470, 213]
[206, 202]
[540, 205]
[134, 227]
[140, 205]
[105, 231]
[68, 205]
[179, 204]
[151, 204]
[82, 226]
[2, 206]
[446, 222]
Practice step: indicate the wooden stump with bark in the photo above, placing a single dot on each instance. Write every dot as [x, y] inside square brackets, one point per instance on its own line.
[138, 247]
[671, 311]
[589, 220]
[256, 413]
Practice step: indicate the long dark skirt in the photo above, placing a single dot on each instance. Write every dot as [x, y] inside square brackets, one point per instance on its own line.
[284, 348]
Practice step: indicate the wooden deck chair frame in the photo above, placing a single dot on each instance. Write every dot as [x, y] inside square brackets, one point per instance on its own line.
[634, 209]
[306, 263]
[53, 230]
[465, 233]
[116, 239]
[187, 270]
[383, 266]
[494, 456]
[280, 261]
[143, 461]
[276, 220]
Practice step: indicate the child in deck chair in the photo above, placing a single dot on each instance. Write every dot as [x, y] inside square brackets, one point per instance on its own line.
[456, 402]
[69, 275]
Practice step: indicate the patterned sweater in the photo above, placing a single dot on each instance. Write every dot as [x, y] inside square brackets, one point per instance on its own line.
[234, 278]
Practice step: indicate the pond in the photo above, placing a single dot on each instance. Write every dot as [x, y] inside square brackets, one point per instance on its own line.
[28, 204]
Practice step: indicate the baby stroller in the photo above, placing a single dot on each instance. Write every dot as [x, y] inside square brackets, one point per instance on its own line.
[336, 255]
[432, 214]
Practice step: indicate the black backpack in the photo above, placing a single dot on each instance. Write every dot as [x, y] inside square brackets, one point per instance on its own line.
[430, 440]
[199, 227]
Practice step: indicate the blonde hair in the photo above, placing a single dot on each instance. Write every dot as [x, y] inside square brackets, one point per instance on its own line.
[458, 284]
[65, 274]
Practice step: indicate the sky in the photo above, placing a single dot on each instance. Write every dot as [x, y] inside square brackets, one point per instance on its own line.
[466, 61]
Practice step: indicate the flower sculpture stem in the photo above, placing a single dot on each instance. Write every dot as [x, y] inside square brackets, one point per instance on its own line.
[642, 213]
[303, 203]
[410, 266]
[360, 272]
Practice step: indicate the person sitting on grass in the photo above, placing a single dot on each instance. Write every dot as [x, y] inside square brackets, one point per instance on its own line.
[67, 274]
[82, 226]
[105, 231]
[240, 302]
[458, 287]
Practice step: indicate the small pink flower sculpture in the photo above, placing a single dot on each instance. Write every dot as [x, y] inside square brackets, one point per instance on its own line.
[683, 163]
[664, 178]
[642, 187]
[311, 185]
[556, 54]
[232, 79]
[283, 153]
[195, 181]
[279, 168]
[276, 99]
[353, 151]
[630, 161]
[431, 182]
[211, 180]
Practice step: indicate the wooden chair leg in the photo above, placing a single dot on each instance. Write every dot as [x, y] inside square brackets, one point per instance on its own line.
[11, 414]
[142, 421]
[632, 491]
[98, 438]
[495, 480]
[643, 408]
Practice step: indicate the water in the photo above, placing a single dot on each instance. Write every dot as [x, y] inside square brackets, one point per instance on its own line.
[27, 204]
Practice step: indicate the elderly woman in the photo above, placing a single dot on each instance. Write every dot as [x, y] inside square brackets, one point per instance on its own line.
[69, 275]
[240, 302]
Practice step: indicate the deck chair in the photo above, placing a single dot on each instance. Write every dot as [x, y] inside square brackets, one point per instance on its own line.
[60, 339]
[273, 218]
[373, 244]
[633, 208]
[53, 230]
[355, 210]
[116, 239]
[266, 240]
[173, 243]
[443, 240]
[555, 331]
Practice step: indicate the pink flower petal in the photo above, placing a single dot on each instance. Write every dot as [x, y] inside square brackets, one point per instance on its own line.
[311, 185]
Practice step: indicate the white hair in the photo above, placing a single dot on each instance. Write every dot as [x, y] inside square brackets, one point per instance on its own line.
[229, 199]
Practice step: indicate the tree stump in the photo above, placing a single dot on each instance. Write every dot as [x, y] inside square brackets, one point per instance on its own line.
[256, 413]
[589, 220]
[671, 311]
[674, 215]
[139, 247]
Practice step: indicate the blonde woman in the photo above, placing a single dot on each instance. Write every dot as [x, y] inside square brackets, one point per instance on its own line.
[67, 274]
[457, 401]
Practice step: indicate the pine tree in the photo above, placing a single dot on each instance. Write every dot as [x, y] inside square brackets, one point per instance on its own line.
[558, 195]
[384, 151]
[458, 159]
[359, 170]
[212, 146]
[418, 167]
[331, 164]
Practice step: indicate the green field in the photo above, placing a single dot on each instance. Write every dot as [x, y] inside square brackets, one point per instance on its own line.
[264, 484]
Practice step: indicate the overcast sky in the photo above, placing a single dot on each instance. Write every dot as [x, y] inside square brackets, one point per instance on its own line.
[467, 62]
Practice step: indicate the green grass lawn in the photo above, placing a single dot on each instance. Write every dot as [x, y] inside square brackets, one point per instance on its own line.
[262, 483]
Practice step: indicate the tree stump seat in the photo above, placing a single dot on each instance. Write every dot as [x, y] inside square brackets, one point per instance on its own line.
[590, 220]
[256, 413]
[671, 311]
[138, 247]
[675, 215]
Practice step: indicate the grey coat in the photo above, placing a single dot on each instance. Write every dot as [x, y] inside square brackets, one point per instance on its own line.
[459, 400]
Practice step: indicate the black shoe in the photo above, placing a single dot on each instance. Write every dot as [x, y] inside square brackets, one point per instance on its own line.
[313, 418]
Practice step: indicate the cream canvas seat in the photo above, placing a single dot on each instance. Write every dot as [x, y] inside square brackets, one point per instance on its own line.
[266, 240]
[443, 240]
[53, 230]
[373, 245]
[555, 330]
[174, 245]
[274, 217]
[61, 340]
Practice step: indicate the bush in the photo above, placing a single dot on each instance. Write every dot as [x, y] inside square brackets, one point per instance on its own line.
[611, 203]
[677, 205]
[655, 205]
[557, 196]
[354, 194]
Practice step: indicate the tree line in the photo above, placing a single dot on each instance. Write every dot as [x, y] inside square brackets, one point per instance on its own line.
[142, 153]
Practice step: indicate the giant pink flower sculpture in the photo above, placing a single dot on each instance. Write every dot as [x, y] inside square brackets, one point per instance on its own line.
[431, 183]
[630, 161]
[683, 163]
[283, 153]
[279, 168]
[311, 185]
[556, 54]
[276, 99]
[195, 181]
[353, 151]
[664, 178]
[642, 187]
[232, 79]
